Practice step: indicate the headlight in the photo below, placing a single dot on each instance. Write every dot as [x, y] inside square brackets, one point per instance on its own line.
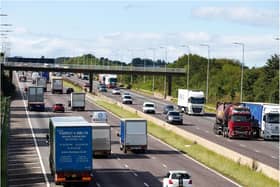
[170, 118]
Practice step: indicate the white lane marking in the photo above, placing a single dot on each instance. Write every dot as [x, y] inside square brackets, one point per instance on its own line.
[135, 174]
[98, 185]
[153, 157]
[207, 131]
[257, 151]
[164, 165]
[217, 135]
[229, 140]
[24, 168]
[242, 145]
[126, 166]
[33, 135]
[30, 155]
[24, 163]
[145, 184]
[29, 178]
[118, 158]
[197, 162]
[25, 184]
[197, 128]
[273, 157]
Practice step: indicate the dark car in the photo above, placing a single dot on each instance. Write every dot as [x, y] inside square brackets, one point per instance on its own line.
[69, 90]
[168, 108]
[102, 88]
[58, 107]
[174, 117]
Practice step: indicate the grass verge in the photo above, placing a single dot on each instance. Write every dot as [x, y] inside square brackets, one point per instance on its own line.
[69, 84]
[243, 175]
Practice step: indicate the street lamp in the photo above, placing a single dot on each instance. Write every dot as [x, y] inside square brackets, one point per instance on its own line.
[188, 71]
[241, 84]
[165, 70]
[207, 76]
[154, 57]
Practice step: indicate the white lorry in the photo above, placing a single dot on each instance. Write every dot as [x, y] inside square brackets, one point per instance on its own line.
[35, 98]
[265, 119]
[111, 81]
[133, 134]
[101, 139]
[77, 101]
[56, 84]
[41, 82]
[191, 102]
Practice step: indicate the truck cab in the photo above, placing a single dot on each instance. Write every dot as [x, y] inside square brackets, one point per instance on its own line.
[270, 123]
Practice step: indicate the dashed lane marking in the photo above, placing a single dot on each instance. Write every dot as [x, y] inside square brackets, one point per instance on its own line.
[145, 184]
[164, 165]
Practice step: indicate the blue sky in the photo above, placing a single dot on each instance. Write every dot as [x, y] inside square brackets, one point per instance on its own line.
[115, 28]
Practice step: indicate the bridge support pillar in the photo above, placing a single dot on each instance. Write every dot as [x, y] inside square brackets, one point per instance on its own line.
[169, 83]
[90, 81]
[11, 75]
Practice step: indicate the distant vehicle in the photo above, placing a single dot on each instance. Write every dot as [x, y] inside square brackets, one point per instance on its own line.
[233, 120]
[265, 119]
[133, 134]
[101, 139]
[149, 107]
[70, 143]
[85, 76]
[174, 117]
[58, 107]
[69, 90]
[102, 88]
[86, 87]
[34, 76]
[57, 85]
[77, 101]
[35, 98]
[168, 108]
[99, 116]
[41, 82]
[46, 75]
[127, 99]
[22, 78]
[191, 102]
[125, 93]
[111, 81]
[177, 178]
[116, 91]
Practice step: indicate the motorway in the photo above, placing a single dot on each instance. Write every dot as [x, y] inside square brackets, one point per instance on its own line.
[266, 152]
[28, 160]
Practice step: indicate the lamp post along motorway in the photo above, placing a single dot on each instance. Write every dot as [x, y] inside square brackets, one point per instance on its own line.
[242, 67]
[154, 57]
[207, 74]
[188, 70]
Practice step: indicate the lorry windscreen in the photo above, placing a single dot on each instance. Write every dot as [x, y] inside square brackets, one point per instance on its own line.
[113, 80]
[241, 118]
[273, 118]
[195, 100]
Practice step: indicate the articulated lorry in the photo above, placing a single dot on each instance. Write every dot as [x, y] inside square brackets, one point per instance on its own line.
[191, 102]
[110, 80]
[101, 139]
[35, 98]
[77, 101]
[265, 119]
[133, 134]
[56, 85]
[70, 143]
[233, 120]
[41, 82]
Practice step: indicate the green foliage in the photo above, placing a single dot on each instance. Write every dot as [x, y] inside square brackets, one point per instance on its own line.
[7, 87]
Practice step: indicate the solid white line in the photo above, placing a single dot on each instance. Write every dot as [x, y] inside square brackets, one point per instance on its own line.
[135, 174]
[257, 151]
[242, 145]
[33, 135]
[145, 184]
[273, 157]
[98, 185]
[164, 165]
[126, 165]
[201, 164]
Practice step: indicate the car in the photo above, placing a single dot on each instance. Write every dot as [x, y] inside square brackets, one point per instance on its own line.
[116, 91]
[99, 116]
[69, 90]
[127, 99]
[102, 88]
[149, 107]
[174, 117]
[125, 93]
[58, 107]
[175, 178]
[86, 86]
[22, 78]
[168, 108]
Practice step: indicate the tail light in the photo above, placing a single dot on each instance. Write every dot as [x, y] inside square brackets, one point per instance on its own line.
[190, 181]
[170, 181]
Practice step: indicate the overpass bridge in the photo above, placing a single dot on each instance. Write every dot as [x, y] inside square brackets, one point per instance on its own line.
[96, 69]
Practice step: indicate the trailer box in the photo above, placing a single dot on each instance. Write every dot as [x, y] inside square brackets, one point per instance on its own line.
[42, 82]
[101, 139]
[35, 98]
[77, 101]
[57, 85]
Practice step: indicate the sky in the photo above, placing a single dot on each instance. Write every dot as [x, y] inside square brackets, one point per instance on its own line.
[121, 30]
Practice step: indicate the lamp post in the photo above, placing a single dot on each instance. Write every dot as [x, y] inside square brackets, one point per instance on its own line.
[208, 64]
[154, 57]
[165, 71]
[188, 71]
[241, 84]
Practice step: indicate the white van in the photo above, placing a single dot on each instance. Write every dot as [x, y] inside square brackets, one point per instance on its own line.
[99, 116]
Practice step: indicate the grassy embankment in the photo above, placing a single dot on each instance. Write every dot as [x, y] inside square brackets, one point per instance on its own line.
[243, 175]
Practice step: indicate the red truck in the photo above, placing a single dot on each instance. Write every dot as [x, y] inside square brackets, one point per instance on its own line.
[233, 120]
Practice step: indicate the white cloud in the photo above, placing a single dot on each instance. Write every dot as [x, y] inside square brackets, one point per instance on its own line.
[242, 15]
[258, 48]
